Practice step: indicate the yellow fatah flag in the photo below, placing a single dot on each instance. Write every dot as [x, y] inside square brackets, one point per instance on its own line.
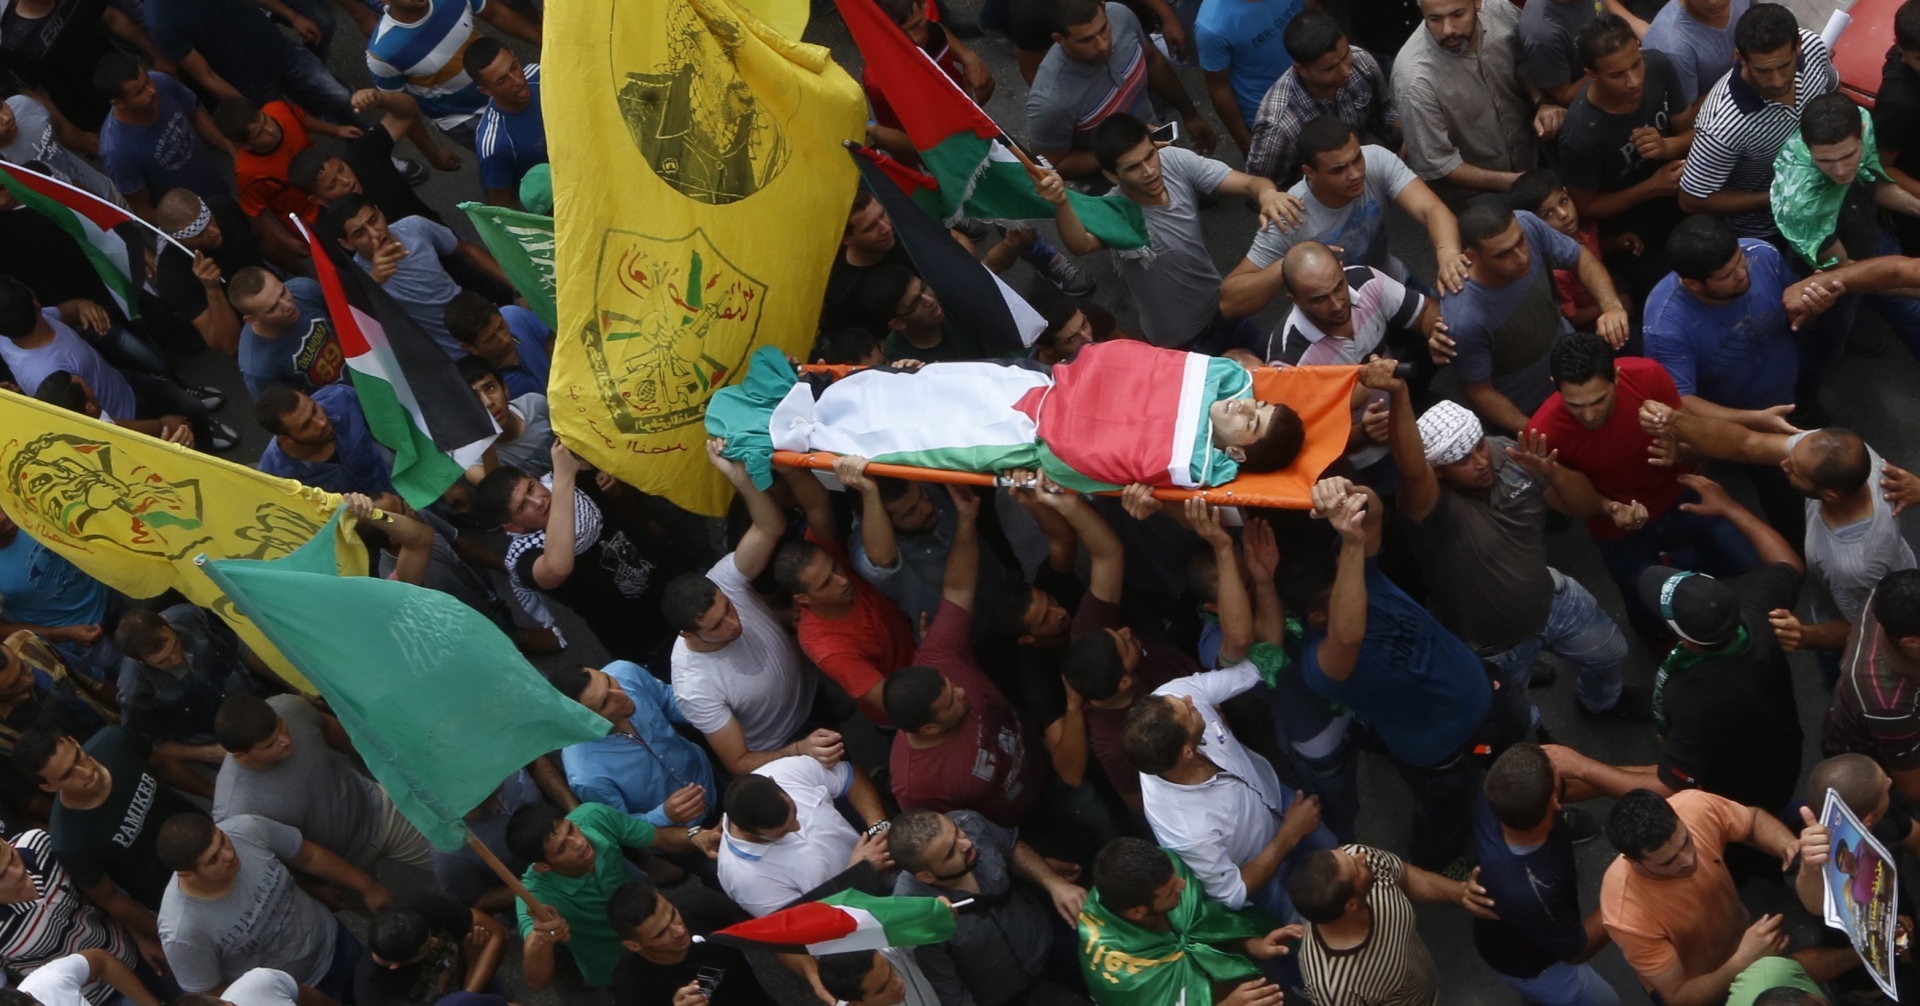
[700, 191]
[132, 511]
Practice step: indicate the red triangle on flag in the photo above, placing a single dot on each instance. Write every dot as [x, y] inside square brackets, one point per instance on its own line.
[930, 105]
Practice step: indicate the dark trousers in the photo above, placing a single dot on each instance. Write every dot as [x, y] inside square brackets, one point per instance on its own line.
[1704, 544]
[347, 952]
[154, 397]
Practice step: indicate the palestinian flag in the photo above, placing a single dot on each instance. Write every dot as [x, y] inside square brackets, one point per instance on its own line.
[416, 403]
[978, 176]
[1005, 323]
[844, 922]
[110, 236]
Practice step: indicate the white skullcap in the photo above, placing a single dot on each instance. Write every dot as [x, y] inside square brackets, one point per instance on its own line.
[1449, 432]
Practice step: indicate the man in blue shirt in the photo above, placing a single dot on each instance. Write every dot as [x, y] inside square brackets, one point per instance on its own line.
[1371, 649]
[513, 339]
[148, 142]
[512, 137]
[642, 768]
[322, 440]
[286, 335]
[1540, 943]
[1242, 54]
[415, 42]
[404, 258]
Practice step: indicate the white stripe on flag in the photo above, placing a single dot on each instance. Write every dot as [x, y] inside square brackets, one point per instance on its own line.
[379, 362]
[1186, 423]
[109, 244]
[869, 935]
[1026, 320]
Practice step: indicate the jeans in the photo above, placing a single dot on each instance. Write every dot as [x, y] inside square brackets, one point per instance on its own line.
[1566, 985]
[1442, 809]
[347, 952]
[1578, 632]
[1335, 779]
[307, 82]
[1704, 544]
[320, 12]
[154, 397]
[127, 351]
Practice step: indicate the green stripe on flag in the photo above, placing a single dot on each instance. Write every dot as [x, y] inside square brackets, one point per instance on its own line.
[104, 249]
[996, 186]
[421, 471]
[523, 244]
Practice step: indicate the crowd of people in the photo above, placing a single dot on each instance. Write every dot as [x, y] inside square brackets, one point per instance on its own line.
[1122, 735]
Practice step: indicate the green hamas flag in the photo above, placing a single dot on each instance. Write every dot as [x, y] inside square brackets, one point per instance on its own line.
[523, 245]
[435, 697]
[1130, 965]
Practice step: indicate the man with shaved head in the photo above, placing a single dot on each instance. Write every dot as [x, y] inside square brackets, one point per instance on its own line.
[1344, 315]
[218, 242]
[1853, 538]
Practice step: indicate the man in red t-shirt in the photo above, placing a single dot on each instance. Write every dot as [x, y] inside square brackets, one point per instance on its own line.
[265, 138]
[851, 631]
[961, 745]
[1593, 421]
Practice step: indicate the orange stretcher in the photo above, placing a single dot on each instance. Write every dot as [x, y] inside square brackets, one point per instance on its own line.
[1321, 395]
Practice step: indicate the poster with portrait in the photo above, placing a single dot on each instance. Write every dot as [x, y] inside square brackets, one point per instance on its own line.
[1861, 889]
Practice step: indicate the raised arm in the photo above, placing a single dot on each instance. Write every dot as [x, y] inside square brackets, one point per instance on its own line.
[1714, 502]
[1230, 597]
[1712, 437]
[555, 563]
[1418, 201]
[1108, 556]
[1612, 325]
[962, 577]
[1419, 484]
[876, 528]
[1073, 234]
[814, 502]
[756, 547]
[1347, 510]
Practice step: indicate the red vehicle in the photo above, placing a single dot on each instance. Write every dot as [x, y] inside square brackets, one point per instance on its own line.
[1862, 49]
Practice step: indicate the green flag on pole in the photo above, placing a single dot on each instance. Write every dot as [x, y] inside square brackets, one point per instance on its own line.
[523, 245]
[437, 700]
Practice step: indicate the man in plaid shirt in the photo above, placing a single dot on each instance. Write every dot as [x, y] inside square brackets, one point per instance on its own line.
[1328, 77]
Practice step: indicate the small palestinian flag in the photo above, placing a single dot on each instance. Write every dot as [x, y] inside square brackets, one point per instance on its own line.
[109, 235]
[843, 922]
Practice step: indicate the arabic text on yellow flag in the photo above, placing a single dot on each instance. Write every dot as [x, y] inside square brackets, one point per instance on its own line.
[132, 511]
[700, 189]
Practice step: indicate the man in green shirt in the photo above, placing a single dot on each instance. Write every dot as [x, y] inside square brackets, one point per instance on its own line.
[578, 863]
[1149, 935]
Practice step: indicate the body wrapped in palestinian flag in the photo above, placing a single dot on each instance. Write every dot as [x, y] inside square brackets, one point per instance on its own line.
[1121, 412]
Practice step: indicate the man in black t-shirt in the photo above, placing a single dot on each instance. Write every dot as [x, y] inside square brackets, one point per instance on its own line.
[366, 167]
[1723, 699]
[868, 244]
[1896, 115]
[663, 966]
[218, 236]
[1624, 140]
[425, 946]
[107, 812]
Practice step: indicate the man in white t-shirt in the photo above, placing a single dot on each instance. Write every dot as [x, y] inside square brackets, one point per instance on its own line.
[62, 982]
[1344, 192]
[782, 837]
[737, 673]
[259, 987]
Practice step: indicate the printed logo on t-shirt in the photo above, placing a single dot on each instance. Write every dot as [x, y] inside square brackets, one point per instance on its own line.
[173, 147]
[319, 355]
[135, 820]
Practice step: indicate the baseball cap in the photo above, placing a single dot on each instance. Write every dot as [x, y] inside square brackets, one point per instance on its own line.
[1699, 608]
[536, 190]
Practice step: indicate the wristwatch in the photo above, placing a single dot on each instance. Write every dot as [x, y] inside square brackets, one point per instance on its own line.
[692, 830]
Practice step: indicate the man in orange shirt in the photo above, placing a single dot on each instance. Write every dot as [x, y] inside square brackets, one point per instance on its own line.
[1669, 902]
[265, 138]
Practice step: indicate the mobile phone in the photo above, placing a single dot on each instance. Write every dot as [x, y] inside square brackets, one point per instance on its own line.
[1166, 132]
[709, 979]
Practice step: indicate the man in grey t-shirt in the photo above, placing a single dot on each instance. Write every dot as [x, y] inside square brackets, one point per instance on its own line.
[1502, 327]
[1175, 285]
[1699, 43]
[1853, 538]
[232, 905]
[28, 133]
[404, 258]
[281, 765]
[1344, 190]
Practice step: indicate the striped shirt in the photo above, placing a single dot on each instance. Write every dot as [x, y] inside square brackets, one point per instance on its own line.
[1363, 102]
[1068, 99]
[59, 922]
[1738, 133]
[1391, 967]
[1876, 705]
[510, 144]
[423, 59]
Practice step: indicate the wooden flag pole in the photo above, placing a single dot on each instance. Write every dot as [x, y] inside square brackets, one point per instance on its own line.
[540, 910]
